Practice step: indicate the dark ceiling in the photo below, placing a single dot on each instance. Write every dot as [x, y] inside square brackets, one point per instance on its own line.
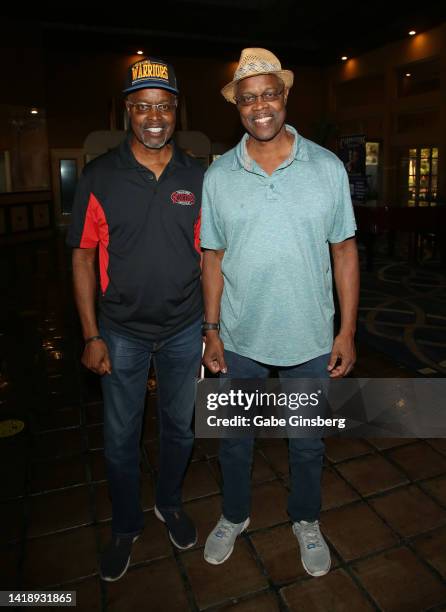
[310, 32]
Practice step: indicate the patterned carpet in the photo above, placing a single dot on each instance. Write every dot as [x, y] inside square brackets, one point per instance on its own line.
[403, 313]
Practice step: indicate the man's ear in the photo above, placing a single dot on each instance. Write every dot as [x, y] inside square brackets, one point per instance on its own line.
[285, 95]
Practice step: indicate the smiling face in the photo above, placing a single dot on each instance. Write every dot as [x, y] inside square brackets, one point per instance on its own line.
[151, 127]
[262, 119]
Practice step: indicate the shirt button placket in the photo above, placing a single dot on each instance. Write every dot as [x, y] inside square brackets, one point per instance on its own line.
[270, 192]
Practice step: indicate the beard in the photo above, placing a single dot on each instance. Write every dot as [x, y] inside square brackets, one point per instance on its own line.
[154, 139]
[149, 143]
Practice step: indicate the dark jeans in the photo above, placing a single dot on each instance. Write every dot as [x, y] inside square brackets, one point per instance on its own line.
[177, 361]
[305, 455]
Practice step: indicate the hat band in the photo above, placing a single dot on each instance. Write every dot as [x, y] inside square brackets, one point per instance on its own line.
[259, 67]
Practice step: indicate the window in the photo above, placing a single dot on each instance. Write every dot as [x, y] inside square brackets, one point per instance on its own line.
[422, 176]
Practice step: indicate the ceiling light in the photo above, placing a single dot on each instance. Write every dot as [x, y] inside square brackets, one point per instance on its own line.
[140, 52]
[34, 111]
[412, 33]
[344, 58]
[408, 74]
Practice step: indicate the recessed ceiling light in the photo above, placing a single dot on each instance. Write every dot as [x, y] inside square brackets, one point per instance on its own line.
[412, 33]
[140, 52]
[34, 111]
[344, 58]
[408, 74]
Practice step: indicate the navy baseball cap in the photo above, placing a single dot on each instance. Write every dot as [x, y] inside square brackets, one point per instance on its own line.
[150, 73]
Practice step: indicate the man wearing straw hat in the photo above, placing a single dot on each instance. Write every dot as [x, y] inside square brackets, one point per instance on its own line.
[273, 209]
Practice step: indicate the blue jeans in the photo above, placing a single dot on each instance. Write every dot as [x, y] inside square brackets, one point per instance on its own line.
[305, 455]
[177, 361]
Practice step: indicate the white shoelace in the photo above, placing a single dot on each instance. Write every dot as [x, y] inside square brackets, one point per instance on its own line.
[311, 535]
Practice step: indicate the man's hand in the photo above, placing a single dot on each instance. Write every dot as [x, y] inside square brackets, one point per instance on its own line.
[214, 353]
[346, 273]
[343, 354]
[96, 357]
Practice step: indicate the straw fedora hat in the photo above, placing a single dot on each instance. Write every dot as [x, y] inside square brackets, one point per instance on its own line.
[253, 62]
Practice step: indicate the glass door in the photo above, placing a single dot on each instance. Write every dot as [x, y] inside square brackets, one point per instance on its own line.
[420, 176]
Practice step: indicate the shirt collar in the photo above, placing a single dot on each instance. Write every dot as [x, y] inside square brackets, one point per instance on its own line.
[299, 151]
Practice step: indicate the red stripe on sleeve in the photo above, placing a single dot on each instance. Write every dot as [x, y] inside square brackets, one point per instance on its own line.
[96, 231]
[197, 227]
[90, 234]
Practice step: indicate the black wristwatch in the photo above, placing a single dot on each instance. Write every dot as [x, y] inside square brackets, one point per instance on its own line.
[209, 326]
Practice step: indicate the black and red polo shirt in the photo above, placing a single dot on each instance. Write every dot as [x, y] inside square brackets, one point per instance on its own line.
[147, 232]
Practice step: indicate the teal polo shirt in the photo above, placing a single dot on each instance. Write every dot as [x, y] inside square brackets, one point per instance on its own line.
[277, 303]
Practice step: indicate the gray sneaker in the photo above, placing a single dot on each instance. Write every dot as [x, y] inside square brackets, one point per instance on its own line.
[314, 552]
[220, 542]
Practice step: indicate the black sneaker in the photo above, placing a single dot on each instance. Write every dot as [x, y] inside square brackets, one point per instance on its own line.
[115, 557]
[182, 531]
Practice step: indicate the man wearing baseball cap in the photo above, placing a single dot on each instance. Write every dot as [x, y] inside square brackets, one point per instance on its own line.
[138, 208]
[273, 208]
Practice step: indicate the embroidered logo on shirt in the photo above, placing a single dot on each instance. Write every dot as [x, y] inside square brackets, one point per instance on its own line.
[183, 197]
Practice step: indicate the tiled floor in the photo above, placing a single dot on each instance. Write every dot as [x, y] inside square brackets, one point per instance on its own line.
[384, 504]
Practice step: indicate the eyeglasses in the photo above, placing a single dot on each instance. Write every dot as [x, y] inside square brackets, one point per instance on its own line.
[143, 107]
[249, 99]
